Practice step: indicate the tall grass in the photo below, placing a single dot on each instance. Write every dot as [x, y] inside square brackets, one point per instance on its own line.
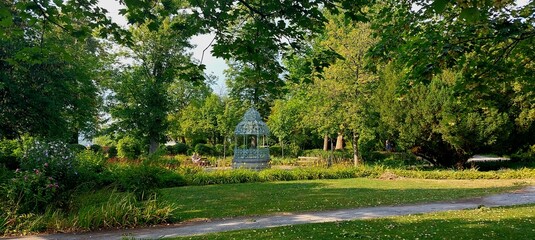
[100, 210]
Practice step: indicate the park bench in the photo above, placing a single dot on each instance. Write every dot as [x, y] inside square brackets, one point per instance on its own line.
[307, 161]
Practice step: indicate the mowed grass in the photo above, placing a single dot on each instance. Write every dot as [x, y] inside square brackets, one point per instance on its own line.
[495, 223]
[249, 199]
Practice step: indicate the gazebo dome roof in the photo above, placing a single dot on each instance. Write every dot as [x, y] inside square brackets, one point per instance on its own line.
[251, 124]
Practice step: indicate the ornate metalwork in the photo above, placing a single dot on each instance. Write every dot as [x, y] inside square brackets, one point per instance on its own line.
[251, 151]
[254, 153]
[251, 124]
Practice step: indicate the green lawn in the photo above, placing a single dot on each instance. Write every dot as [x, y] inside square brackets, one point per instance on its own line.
[231, 200]
[495, 223]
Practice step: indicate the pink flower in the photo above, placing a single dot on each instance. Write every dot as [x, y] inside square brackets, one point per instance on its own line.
[36, 171]
[46, 164]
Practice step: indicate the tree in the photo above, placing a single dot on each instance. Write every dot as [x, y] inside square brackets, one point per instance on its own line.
[229, 119]
[338, 100]
[184, 93]
[285, 119]
[48, 83]
[142, 101]
[490, 53]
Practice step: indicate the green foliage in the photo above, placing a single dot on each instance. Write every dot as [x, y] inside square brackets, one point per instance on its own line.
[431, 122]
[77, 147]
[394, 160]
[49, 77]
[178, 148]
[275, 151]
[8, 154]
[29, 192]
[204, 149]
[142, 100]
[95, 148]
[92, 170]
[290, 150]
[465, 77]
[104, 209]
[121, 210]
[54, 159]
[144, 180]
[47, 177]
[104, 141]
[112, 152]
[129, 148]
[218, 149]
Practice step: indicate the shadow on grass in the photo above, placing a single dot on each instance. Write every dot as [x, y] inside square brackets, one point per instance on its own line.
[497, 223]
[220, 201]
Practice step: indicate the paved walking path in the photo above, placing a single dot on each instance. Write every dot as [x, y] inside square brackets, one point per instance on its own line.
[524, 196]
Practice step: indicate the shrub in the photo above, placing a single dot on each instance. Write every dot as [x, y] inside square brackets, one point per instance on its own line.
[29, 192]
[290, 150]
[143, 180]
[223, 177]
[128, 148]
[180, 148]
[53, 158]
[5, 174]
[47, 176]
[204, 149]
[112, 152]
[77, 147]
[8, 154]
[275, 151]
[95, 148]
[218, 149]
[92, 169]
[169, 150]
[196, 141]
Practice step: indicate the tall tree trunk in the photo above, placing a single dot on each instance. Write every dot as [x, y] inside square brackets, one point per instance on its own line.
[282, 147]
[224, 148]
[355, 143]
[153, 146]
[339, 142]
[325, 143]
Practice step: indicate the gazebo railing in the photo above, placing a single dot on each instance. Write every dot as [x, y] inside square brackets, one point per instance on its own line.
[251, 153]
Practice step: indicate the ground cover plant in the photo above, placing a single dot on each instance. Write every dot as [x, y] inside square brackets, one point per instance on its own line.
[483, 223]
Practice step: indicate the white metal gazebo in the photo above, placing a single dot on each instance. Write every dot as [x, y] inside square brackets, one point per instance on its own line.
[251, 151]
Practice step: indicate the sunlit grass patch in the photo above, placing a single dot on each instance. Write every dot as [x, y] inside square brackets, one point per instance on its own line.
[248, 199]
[483, 223]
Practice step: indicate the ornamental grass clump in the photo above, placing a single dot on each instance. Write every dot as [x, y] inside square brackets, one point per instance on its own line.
[122, 210]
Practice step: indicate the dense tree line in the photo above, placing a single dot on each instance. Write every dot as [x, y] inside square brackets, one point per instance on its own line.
[442, 79]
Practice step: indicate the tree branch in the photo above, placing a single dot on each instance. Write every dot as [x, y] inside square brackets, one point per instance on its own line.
[211, 42]
[46, 15]
[252, 9]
